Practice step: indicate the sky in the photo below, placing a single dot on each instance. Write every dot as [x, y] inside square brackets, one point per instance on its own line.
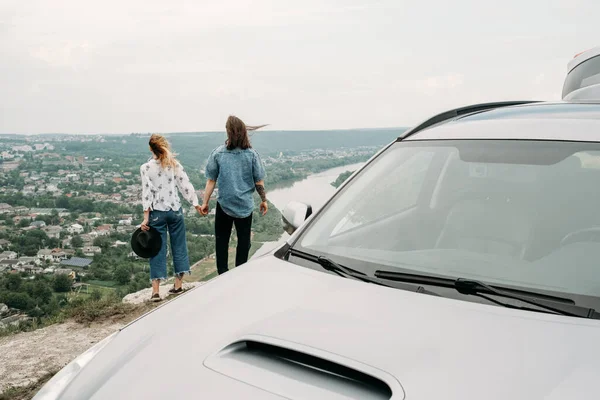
[82, 66]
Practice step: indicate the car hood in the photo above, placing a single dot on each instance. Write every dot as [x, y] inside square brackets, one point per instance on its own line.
[421, 346]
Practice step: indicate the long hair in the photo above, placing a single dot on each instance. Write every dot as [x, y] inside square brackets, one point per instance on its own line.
[162, 150]
[237, 133]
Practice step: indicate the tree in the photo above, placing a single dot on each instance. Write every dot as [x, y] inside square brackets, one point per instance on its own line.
[103, 242]
[122, 274]
[13, 282]
[62, 202]
[41, 291]
[20, 301]
[77, 241]
[96, 295]
[62, 283]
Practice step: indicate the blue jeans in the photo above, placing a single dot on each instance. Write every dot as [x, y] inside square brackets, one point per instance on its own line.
[173, 222]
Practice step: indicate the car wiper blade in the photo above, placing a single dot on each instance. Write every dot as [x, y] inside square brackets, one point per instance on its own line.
[559, 305]
[346, 272]
[467, 286]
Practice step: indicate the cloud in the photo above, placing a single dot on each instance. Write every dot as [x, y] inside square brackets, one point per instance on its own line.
[435, 84]
[66, 54]
[539, 79]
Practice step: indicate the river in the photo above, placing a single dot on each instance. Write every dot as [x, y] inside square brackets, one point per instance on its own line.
[315, 190]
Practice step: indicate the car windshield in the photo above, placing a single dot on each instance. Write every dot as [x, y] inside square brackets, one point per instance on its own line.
[515, 213]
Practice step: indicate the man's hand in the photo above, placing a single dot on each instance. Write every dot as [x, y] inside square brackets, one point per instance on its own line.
[199, 209]
[204, 209]
[144, 225]
[264, 207]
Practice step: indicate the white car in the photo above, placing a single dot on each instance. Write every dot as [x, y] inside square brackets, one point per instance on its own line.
[461, 262]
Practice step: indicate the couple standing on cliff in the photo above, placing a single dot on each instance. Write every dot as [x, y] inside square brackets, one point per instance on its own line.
[237, 169]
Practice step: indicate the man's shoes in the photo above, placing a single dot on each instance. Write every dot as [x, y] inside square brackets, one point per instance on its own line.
[176, 291]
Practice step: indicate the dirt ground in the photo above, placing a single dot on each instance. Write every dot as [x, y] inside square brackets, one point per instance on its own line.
[28, 359]
[29, 356]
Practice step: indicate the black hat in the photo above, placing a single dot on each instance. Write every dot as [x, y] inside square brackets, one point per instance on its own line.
[146, 244]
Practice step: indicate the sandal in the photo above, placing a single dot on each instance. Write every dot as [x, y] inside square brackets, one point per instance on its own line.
[155, 297]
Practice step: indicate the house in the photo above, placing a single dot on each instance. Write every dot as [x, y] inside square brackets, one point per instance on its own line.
[22, 261]
[119, 243]
[19, 218]
[44, 254]
[8, 255]
[87, 238]
[125, 222]
[103, 230]
[133, 255]
[4, 244]
[37, 224]
[58, 255]
[5, 208]
[78, 262]
[20, 210]
[52, 188]
[75, 229]
[89, 251]
[64, 271]
[32, 269]
[126, 228]
[53, 231]
[10, 264]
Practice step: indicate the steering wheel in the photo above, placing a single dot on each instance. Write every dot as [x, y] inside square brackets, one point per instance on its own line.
[582, 235]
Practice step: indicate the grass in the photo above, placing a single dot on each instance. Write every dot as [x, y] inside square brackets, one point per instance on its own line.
[86, 310]
[108, 284]
[26, 392]
[206, 269]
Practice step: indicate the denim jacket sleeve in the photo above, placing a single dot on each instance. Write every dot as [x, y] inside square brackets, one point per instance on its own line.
[258, 170]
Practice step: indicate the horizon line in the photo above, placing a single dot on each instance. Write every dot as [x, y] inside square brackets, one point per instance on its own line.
[192, 132]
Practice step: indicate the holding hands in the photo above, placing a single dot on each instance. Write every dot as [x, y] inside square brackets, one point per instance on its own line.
[203, 209]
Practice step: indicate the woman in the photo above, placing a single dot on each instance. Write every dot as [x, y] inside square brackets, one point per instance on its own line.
[238, 170]
[161, 177]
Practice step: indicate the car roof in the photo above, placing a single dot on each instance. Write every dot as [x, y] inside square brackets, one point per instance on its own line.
[533, 121]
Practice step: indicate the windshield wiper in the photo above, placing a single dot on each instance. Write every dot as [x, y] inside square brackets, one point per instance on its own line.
[346, 272]
[559, 305]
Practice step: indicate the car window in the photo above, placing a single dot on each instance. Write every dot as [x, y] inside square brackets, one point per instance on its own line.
[401, 182]
[514, 212]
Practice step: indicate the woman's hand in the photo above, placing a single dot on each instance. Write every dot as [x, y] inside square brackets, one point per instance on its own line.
[199, 209]
[144, 225]
[264, 207]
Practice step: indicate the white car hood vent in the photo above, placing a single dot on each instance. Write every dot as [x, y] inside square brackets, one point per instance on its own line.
[297, 372]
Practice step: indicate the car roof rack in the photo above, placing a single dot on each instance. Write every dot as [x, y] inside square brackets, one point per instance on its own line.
[457, 112]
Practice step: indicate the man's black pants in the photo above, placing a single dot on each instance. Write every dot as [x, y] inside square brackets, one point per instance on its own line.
[223, 226]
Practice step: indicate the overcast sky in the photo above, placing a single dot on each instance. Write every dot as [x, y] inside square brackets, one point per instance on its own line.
[82, 66]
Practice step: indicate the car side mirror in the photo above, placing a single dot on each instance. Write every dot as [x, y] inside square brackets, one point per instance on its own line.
[294, 215]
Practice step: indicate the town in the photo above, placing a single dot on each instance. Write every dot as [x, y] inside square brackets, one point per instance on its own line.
[69, 204]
